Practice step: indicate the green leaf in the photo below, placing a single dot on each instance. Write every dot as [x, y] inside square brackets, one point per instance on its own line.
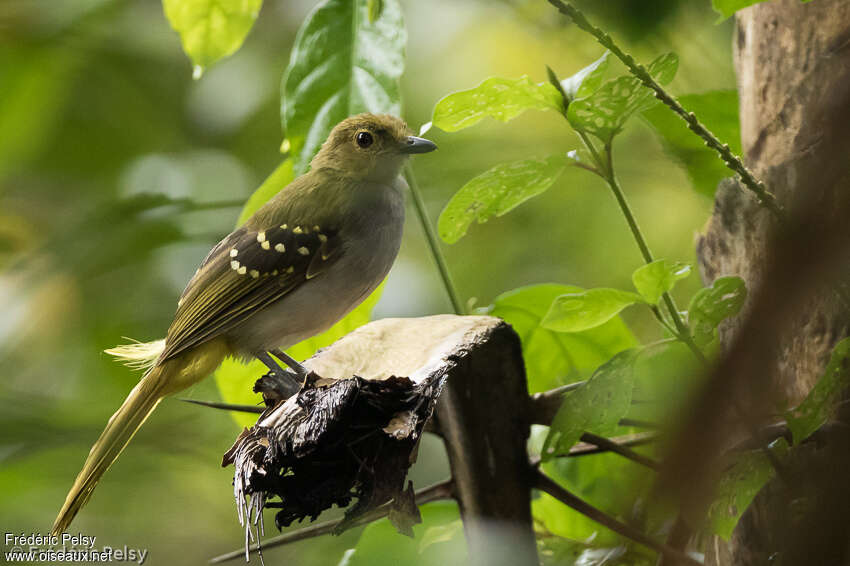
[502, 99]
[211, 29]
[728, 7]
[822, 400]
[654, 279]
[595, 407]
[739, 485]
[718, 110]
[381, 545]
[341, 64]
[711, 305]
[497, 191]
[586, 81]
[554, 358]
[604, 112]
[573, 312]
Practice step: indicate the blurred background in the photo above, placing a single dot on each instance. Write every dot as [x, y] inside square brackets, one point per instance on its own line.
[118, 172]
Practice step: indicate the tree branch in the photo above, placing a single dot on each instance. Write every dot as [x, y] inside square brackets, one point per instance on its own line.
[546, 484]
[436, 492]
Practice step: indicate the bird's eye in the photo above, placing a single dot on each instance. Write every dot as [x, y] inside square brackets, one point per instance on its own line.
[363, 139]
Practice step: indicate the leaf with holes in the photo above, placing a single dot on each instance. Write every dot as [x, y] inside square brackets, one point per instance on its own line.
[502, 99]
[604, 112]
[574, 312]
[555, 358]
[496, 192]
[654, 279]
[739, 485]
[822, 400]
[211, 29]
[597, 406]
[342, 64]
[711, 305]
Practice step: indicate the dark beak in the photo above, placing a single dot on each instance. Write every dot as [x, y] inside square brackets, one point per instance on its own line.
[418, 145]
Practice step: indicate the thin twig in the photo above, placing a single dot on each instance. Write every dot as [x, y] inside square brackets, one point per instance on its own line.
[586, 448]
[732, 161]
[620, 449]
[546, 484]
[433, 242]
[436, 492]
[225, 406]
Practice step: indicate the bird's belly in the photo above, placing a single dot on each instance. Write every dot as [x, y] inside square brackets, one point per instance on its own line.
[317, 304]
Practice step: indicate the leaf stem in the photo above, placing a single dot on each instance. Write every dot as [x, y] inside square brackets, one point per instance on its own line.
[433, 243]
[732, 161]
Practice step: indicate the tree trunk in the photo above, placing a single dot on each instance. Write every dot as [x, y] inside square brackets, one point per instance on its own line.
[793, 64]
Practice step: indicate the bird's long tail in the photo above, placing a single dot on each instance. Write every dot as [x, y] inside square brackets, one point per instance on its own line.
[160, 380]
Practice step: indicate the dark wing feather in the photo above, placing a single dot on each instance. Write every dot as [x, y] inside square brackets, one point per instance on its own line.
[246, 272]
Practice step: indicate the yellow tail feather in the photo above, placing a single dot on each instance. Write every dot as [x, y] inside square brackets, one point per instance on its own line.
[162, 379]
[138, 355]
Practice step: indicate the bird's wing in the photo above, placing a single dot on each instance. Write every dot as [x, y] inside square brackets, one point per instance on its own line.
[246, 272]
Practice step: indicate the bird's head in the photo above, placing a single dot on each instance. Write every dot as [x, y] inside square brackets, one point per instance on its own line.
[370, 147]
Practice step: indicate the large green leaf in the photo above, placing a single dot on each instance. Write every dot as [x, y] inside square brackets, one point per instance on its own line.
[739, 485]
[574, 312]
[496, 192]
[555, 358]
[604, 112]
[718, 110]
[502, 99]
[437, 540]
[342, 64]
[654, 279]
[211, 29]
[711, 305]
[821, 401]
[596, 406]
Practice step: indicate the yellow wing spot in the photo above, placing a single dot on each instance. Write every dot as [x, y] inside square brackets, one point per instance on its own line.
[303, 250]
[255, 273]
[316, 228]
[234, 265]
[279, 248]
[290, 269]
[242, 270]
[266, 245]
[234, 252]
[284, 227]
[261, 237]
[323, 238]
[274, 272]
[297, 230]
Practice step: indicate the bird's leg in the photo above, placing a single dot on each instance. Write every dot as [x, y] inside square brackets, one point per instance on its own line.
[300, 370]
[289, 381]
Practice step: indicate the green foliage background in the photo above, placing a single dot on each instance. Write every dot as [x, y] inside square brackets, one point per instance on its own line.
[106, 145]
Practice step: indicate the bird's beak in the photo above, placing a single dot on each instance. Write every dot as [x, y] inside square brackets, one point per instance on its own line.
[418, 145]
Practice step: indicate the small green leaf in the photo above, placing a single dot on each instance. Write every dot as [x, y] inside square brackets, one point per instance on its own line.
[821, 401]
[586, 81]
[604, 112]
[656, 278]
[718, 110]
[211, 29]
[342, 64]
[728, 7]
[502, 99]
[739, 485]
[375, 9]
[574, 312]
[554, 358]
[597, 406]
[711, 305]
[496, 192]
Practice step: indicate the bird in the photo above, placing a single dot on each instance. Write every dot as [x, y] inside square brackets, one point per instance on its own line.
[298, 265]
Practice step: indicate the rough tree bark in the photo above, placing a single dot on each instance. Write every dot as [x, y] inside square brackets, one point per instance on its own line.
[793, 64]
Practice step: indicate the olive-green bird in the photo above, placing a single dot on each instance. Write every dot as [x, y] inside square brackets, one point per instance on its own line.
[297, 266]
